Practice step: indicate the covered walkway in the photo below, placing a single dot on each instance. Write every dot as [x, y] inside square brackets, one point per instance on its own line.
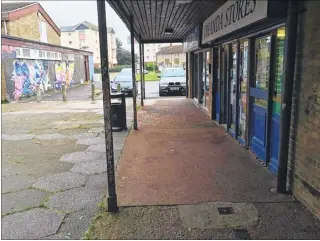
[179, 156]
[182, 177]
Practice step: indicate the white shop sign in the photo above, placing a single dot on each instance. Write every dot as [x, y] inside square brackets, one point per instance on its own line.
[232, 16]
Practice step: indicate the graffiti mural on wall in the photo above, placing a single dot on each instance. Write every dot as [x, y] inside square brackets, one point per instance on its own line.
[27, 76]
[64, 74]
[8, 51]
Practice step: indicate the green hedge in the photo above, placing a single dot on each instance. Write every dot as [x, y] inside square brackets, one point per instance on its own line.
[151, 66]
[114, 69]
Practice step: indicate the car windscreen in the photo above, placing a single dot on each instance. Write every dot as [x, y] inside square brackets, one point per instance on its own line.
[173, 73]
[126, 72]
[123, 79]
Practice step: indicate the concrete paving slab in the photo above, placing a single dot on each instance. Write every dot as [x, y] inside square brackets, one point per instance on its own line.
[60, 181]
[21, 200]
[91, 141]
[54, 136]
[33, 224]
[92, 167]
[16, 182]
[97, 182]
[83, 135]
[80, 156]
[151, 222]
[76, 224]
[19, 137]
[75, 199]
[206, 215]
[102, 147]
[96, 130]
[97, 148]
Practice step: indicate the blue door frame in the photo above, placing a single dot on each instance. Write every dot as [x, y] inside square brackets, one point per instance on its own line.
[262, 113]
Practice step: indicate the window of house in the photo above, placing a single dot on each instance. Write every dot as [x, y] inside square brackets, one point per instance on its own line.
[18, 53]
[48, 55]
[43, 32]
[147, 57]
[56, 55]
[176, 61]
[70, 42]
[69, 34]
[40, 54]
[26, 53]
[52, 55]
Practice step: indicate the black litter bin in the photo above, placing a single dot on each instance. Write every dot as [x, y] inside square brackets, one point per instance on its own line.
[118, 112]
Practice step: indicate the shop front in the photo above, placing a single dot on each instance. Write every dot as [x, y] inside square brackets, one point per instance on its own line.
[247, 43]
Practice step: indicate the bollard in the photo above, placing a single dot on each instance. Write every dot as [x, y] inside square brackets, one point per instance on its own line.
[119, 87]
[64, 92]
[38, 94]
[93, 91]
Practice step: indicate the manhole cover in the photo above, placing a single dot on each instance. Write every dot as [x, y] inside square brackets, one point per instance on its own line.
[241, 234]
[225, 210]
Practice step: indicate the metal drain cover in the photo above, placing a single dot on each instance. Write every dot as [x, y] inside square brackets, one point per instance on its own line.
[241, 234]
[225, 210]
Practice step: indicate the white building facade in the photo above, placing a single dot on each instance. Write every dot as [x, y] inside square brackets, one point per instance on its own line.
[85, 36]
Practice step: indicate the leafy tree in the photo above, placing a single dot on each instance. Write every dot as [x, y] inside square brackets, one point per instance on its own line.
[123, 55]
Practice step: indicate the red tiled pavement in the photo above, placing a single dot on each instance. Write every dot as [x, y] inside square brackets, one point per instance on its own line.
[179, 156]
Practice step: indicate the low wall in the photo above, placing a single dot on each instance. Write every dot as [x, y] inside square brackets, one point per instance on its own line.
[22, 76]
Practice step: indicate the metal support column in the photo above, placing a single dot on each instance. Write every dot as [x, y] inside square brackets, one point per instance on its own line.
[141, 72]
[144, 80]
[134, 83]
[288, 76]
[112, 197]
[187, 75]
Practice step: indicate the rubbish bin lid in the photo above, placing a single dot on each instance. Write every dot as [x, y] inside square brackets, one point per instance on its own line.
[116, 95]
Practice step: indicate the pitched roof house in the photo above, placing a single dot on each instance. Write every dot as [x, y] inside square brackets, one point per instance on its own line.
[30, 21]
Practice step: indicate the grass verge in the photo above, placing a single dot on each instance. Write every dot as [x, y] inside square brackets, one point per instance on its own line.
[151, 76]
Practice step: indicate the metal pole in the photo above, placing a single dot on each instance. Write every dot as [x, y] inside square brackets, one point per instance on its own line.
[287, 88]
[134, 95]
[187, 75]
[64, 92]
[112, 197]
[144, 82]
[141, 72]
[93, 91]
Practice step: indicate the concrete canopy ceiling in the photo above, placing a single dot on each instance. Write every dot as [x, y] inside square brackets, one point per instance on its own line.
[152, 17]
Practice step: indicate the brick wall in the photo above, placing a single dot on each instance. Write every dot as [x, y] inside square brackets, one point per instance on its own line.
[304, 151]
[28, 27]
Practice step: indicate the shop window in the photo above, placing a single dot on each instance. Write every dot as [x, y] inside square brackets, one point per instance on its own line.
[262, 62]
[26, 52]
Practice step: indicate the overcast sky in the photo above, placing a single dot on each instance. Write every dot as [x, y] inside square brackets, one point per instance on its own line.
[66, 13]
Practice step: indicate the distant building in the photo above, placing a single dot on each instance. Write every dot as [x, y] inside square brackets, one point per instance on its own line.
[171, 56]
[85, 36]
[30, 21]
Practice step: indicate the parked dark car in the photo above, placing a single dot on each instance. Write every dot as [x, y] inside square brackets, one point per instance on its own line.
[172, 80]
[125, 81]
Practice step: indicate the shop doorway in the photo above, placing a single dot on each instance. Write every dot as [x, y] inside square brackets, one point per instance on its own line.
[243, 84]
[232, 89]
[259, 93]
[276, 101]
